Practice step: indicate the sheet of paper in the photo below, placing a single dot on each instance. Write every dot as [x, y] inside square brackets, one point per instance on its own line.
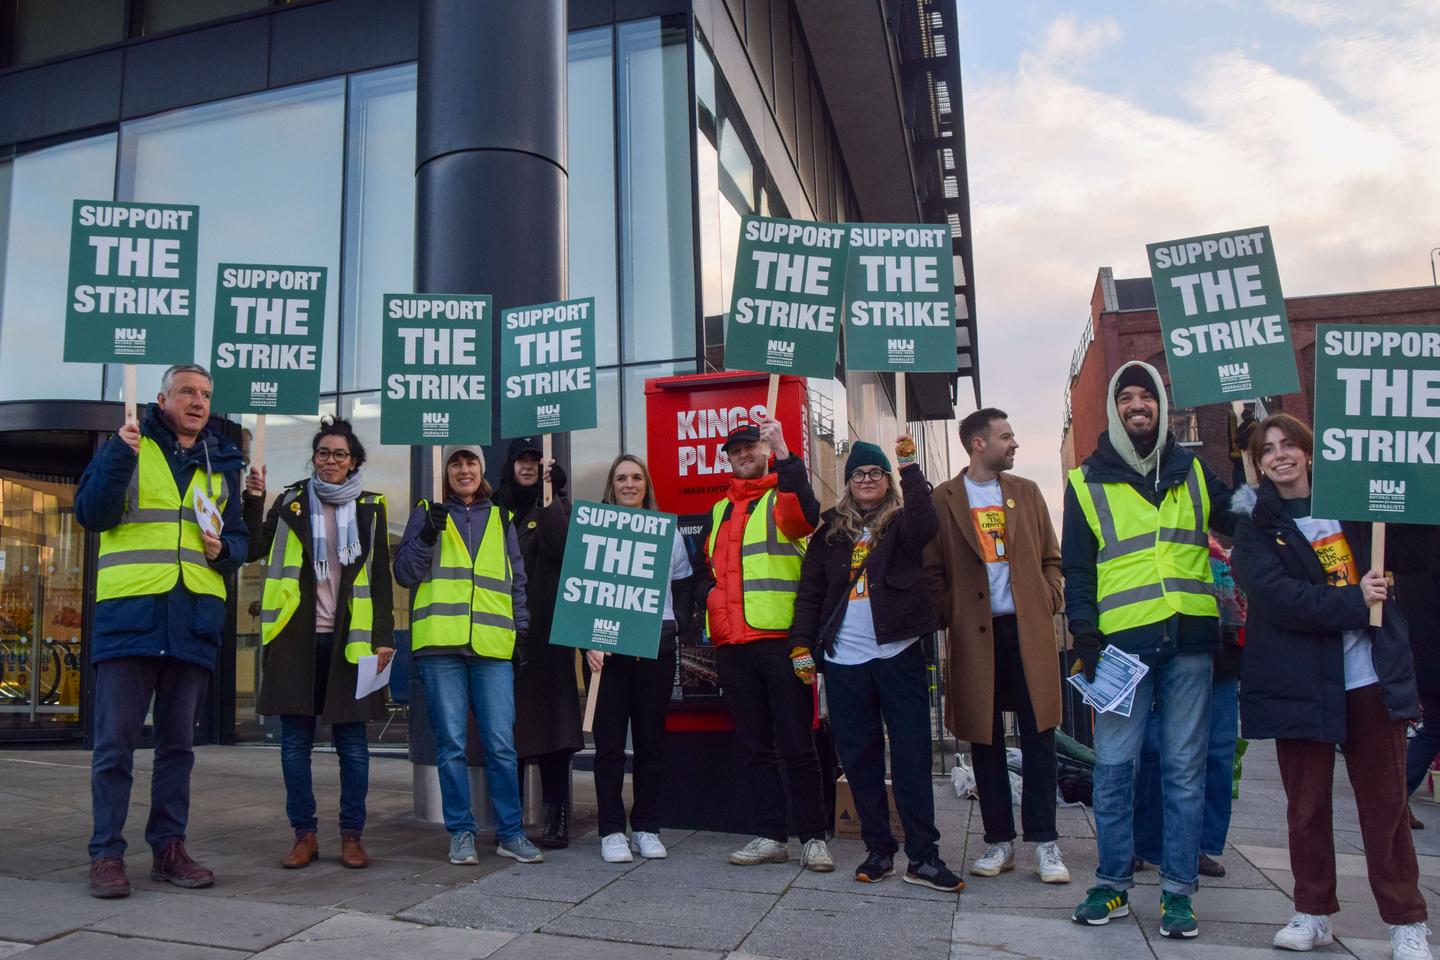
[1116, 676]
[368, 676]
[207, 515]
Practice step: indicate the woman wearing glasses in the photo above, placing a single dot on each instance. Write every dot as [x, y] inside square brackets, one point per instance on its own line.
[326, 603]
[861, 608]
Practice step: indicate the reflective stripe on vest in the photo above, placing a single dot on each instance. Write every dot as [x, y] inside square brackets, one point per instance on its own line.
[157, 541]
[464, 602]
[1152, 562]
[281, 595]
[769, 565]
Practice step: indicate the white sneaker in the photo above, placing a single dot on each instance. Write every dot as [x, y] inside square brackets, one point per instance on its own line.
[761, 850]
[1048, 864]
[816, 856]
[1305, 931]
[615, 849]
[648, 845]
[998, 858]
[1409, 941]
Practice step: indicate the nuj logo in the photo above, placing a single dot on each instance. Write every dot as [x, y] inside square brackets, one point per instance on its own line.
[1234, 369]
[1395, 487]
[782, 346]
[264, 387]
[436, 418]
[130, 334]
[902, 344]
[611, 626]
[548, 410]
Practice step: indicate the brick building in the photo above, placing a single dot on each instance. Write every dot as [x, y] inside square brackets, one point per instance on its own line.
[1124, 326]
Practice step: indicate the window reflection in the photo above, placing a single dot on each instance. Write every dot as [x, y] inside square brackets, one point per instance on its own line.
[591, 186]
[43, 186]
[636, 423]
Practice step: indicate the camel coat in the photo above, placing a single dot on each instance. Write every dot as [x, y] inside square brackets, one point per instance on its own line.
[960, 587]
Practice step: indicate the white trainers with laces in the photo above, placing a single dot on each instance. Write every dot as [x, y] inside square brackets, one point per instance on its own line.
[648, 845]
[816, 856]
[998, 858]
[761, 850]
[1305, 931]
[1410, 941]
[1049, 865]
[614, 848]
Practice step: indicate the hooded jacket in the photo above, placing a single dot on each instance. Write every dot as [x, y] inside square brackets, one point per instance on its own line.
[176, 624]
[1292, 680]
[1116, 460]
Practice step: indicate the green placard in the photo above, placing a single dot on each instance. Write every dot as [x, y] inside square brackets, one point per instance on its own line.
[435, 364]
[785, 303]
[269, 337]
[1377, 423]
[613, 580]
[547, 368]
[131, 292]
[900, 298]
[1227, 335]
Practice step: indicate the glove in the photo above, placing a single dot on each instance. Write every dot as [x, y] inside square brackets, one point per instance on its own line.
[1087, 653]
[522, 648]
[435, 519]
[804, 665]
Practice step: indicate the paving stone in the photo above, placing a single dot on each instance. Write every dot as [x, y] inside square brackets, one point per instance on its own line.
[36, 910]
[238, 924]
[666, 916]
[394, 898]
[565, 883]
[1223, 904]
[359, 937]
[471, 906]
[541, 946]
[1364, 949]
[1006, 937]
[712, 873]
[105, 947]
[8, 948]
[820, 925]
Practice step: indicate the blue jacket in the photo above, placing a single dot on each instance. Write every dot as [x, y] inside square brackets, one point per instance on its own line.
[177, 624]
[1155, 642]
[414, 556]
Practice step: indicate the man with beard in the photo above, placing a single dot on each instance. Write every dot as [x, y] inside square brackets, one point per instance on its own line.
[1137, 575]
[753, 550]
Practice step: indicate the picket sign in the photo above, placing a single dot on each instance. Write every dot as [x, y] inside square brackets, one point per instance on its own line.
[546, 455]
[437, 471]
[1377, 565]
[772, 395]
[257, 443]
[591, 696]
[899, 416]
[130, 393]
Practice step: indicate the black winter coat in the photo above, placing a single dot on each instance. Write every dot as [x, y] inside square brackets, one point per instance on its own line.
[289, 683]
[1292, 680]
[1413, 554]
[899, 598]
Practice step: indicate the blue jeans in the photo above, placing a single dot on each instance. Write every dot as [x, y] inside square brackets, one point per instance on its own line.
[1179, 690]
[123, 688]
[455, 684]
[297, 739]
[1219, 776]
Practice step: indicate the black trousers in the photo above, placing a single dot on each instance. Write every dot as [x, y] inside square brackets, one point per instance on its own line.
[771, 707]
[634, 694]
[1037, 770]
[895, 691]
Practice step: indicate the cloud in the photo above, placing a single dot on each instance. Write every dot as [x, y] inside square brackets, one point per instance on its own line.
[1067, 177]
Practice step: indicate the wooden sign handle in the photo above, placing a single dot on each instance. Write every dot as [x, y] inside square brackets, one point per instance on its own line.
[257, 443]
[437, 471]
[901, 419]
[590, 699]
[773, 395]
[1377, 564]
[130, 393]
[547, 453]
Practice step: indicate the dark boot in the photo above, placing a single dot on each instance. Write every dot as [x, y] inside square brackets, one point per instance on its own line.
[107, 878]
[173, 865]
[557, 828]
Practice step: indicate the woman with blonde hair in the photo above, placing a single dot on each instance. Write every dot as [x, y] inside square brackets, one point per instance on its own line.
[634, 694]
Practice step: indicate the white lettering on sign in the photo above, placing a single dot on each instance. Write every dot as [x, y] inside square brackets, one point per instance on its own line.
[1365, 343]
[643, 524]
[547, 381]
[273, 316]
[136, 257]
[255, 278]
[1361, 445]
[620, 596]
[778, 313]
[265, 356]
[889, 313]
[1226, 248]
[893, 274]
[805, 234]
[1232, 335]
[1392, 393]
[404, 309]
[550, 346]
[134, 217]
[149, 301]
[445, 346]
[626, 558]
[793, 272]
[542, 316]
[435, 386]
[1221, 290]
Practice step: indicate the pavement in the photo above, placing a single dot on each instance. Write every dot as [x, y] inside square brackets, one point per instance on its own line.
[693, 905]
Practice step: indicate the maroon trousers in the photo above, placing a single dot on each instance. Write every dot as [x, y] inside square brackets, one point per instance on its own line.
[1374, 751]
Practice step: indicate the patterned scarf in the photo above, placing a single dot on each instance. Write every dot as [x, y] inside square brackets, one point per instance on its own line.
[342, 497]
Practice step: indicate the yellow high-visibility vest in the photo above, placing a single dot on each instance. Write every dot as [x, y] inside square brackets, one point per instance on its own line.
[463, 601]
[157, 541]
[1153, 561]
[769, 565]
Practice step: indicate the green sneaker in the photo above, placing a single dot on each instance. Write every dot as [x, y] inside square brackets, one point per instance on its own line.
[1101, 905]
[1177, 916]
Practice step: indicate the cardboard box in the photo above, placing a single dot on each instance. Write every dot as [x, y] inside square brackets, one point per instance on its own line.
[847, 818]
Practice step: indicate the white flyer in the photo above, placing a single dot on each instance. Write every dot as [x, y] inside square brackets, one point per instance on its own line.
[368, 676]
[1116, 676]
[207, 515]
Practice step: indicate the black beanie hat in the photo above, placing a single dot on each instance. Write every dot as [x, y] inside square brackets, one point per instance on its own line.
[1136, 376]
[866, 454]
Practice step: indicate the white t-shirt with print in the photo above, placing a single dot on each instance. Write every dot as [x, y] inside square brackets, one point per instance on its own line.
[987, 512]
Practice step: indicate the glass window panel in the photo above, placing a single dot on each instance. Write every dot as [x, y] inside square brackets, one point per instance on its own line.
[784, 71]
[636, 434]
[591, 185]
[379, 214]
[263, 170]
[757, 21]
[49, 28]
[592, 450]
[820, 196]
[387, 471]
[658, 262]
[804, 140]
[169, 14]
[44, 185]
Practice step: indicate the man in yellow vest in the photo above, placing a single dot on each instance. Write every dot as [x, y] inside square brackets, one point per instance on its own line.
[1137, 575]
[164, 495]
[753, 551]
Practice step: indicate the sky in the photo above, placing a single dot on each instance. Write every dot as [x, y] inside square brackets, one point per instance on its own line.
[1095, 128]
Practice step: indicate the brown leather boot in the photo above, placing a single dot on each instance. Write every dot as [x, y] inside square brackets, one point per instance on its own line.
[352, 853]
[173, 865]
[107, 878]
[304, 853]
